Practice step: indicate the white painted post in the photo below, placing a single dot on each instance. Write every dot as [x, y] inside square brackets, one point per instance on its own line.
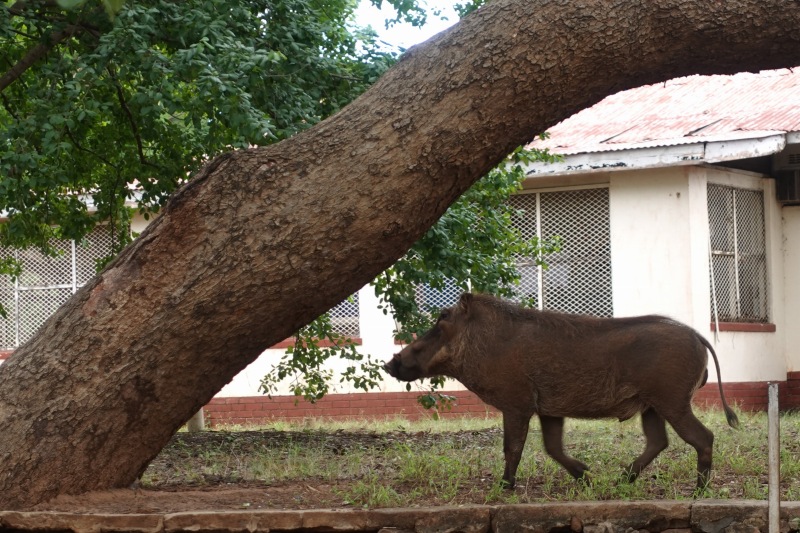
[198, 423]
[774, 461]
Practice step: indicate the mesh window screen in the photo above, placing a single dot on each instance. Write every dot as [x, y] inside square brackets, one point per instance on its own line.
[8, 334]
[526, 222]
[578, 278]
[94, 247]
[36, 306]
[45, 284]
[344, 317]
[738, 254]
[430, 300]
[42, 271]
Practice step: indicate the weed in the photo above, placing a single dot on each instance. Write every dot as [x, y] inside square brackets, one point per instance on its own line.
[371, 492]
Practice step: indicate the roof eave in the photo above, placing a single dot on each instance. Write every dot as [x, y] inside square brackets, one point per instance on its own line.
[661, 156]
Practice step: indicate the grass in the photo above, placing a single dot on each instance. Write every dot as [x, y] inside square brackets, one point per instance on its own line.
[457, 461]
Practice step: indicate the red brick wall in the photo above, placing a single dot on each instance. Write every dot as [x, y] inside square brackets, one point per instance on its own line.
[752, 396]
[790, 392]
[261, 409]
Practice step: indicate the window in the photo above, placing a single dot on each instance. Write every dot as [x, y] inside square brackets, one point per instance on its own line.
[578, 278]
[344, 317]
[46, 283]
[431, 300]
[738, 267]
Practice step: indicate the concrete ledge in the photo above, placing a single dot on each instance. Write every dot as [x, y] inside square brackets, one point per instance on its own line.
[653, 516]
[469, 519]
[81, 523]
[713, 516]
[702, 516]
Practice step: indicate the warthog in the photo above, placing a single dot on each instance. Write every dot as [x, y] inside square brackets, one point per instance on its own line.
[526, 362]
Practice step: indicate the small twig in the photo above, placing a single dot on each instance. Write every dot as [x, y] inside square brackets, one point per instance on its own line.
[134, 127]
[88, 151]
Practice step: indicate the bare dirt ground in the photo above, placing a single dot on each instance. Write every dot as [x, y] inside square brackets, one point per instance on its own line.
[202, 491]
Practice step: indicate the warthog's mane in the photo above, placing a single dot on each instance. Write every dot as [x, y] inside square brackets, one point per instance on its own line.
[565, 323]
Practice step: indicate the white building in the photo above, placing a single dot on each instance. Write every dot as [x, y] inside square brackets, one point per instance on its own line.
[658, 185]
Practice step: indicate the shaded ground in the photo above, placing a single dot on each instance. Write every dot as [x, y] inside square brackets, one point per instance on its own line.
[189, 475]
[270, 469]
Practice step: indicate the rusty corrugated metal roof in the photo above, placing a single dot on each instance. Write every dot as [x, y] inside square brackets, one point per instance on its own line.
[683, 110]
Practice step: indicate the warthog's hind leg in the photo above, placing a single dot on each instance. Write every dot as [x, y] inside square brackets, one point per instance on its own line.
[655, 431]
[690, 429]
[553, 434]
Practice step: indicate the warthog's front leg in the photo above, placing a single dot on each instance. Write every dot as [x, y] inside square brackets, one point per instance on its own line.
[515, 431]
[552, 434]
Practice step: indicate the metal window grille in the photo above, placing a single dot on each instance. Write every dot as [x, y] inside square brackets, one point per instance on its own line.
[738, 273]
[344, 317]
[431, 300]
[46, 283]
[578, 278]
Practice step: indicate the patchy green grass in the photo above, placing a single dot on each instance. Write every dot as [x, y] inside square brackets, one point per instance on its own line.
[456, 461]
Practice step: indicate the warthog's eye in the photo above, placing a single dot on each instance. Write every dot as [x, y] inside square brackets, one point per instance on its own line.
[444, 315]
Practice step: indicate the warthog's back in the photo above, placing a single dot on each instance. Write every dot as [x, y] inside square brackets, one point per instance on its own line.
[589, 367]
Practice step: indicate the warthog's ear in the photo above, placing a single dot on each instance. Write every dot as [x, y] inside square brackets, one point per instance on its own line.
[465, 302]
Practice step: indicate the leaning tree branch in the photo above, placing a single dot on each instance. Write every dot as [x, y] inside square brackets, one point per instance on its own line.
[36, 53]
[41, 49]
[18, 8]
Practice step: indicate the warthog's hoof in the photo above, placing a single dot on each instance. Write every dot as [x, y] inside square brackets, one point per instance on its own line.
[629, 476]
[703, 487]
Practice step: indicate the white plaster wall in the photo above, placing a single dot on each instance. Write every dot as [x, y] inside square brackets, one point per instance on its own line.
[659, 246]
[138, 223]
[659, 249]
[791, 292]
[650, 250]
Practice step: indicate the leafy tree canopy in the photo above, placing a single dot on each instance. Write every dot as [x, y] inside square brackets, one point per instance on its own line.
[113, 110]
[108, 103]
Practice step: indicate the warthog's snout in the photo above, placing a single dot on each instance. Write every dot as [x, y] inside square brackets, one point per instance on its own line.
[391, 365]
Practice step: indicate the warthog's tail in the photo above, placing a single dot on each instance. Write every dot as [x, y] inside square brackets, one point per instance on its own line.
[733, 420]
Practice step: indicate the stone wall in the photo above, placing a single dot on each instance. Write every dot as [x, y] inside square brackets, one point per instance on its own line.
[701, 516]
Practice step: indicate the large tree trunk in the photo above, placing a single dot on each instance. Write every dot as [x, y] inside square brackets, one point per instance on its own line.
[262, 241]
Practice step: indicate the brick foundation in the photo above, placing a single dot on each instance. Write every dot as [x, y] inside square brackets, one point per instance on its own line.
[752, 396]
[261, 409]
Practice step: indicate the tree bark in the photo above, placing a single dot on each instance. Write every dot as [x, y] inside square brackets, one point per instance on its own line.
[262, 241]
